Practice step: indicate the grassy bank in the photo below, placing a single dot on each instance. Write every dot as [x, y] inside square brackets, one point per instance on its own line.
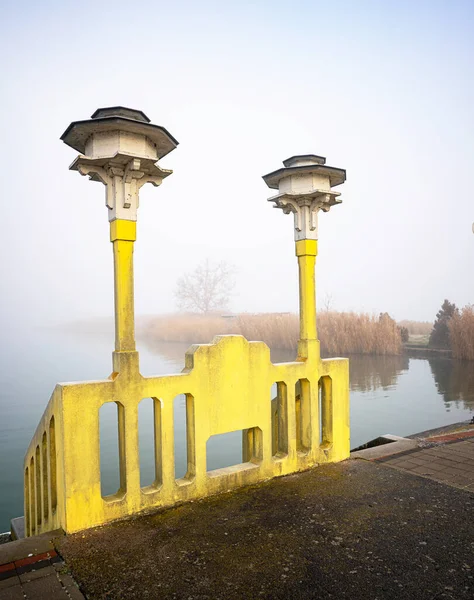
[339, 333]
[418, 332]
[417, 328]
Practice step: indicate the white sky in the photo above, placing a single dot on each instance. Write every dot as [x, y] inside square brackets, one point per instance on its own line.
[383, 89]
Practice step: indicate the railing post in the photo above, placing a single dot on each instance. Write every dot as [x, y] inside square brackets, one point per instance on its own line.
[306, 251]
[123, 235]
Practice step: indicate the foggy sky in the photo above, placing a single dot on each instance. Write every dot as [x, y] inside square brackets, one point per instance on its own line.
[382, 89]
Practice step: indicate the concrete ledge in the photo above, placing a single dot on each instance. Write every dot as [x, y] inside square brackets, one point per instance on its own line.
[393, 445]
[31, 546]
[460, 427]
[17, 528]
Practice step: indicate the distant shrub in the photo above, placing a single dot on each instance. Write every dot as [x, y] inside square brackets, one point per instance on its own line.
[439, 337]
[404, 334]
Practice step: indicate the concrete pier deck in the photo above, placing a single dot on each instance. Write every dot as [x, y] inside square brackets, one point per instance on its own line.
[397, 527]
[356, 530]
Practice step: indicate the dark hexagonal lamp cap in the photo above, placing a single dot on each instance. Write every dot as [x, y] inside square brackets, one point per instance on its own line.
[308, 158]
[122, 118]
[121, 111]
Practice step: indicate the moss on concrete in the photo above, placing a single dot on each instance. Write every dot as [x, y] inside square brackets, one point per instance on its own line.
[351, 530]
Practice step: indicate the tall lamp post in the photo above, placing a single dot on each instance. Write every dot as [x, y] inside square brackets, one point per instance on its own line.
[304, 188]
[120, 148]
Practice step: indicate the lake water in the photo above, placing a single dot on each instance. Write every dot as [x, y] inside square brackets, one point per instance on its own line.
[394, 395]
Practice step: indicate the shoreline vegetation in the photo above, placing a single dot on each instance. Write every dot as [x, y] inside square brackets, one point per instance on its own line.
[461, 333]
[339, 332]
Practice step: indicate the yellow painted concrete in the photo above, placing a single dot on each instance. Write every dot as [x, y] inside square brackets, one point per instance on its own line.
[123, 235]
[306, 251]
[228, 387]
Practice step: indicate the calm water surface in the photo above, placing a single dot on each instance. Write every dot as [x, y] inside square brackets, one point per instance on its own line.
[388, 395]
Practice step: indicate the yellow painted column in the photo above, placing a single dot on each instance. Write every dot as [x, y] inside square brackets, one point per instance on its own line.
[123, 235]
[306, 251]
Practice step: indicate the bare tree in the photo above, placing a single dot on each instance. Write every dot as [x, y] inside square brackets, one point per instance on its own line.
[327, 302]
[206, 289]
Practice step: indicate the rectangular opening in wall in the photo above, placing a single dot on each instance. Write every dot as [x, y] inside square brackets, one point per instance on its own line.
[149, 440]
[303, 415]
[234, 448]
[279, 419]
[184, 437]
[109, 449]
[52, 465]
[325, 411]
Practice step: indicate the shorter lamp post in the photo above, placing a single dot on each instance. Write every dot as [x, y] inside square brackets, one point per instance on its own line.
[120, 148]
[304, 188]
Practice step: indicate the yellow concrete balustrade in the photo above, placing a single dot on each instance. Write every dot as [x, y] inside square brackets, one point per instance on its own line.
[227, 385]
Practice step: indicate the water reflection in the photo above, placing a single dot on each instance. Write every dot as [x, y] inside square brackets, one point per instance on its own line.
[368, 373]
[454, 380]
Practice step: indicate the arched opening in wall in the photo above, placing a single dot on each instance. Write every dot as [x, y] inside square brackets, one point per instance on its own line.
[252, 445]
[38, 484]
[110, 471]
[52, 465]
[149, 442]
[27, 503]
[184, 437]
[303, 415]
[44, 471]
[279, 419]
[32, 496]
[325, 411]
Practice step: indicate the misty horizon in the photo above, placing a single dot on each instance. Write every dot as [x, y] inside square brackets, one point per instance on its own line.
[381, 91]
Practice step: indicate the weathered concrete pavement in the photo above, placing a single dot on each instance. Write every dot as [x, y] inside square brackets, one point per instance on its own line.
[451, 463]
[354, 530]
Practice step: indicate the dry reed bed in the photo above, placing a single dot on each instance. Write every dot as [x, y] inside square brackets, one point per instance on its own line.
[461, 333]
[357, 333]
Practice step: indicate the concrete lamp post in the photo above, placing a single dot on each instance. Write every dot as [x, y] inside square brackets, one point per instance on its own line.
[304, 188]
[120, 148]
